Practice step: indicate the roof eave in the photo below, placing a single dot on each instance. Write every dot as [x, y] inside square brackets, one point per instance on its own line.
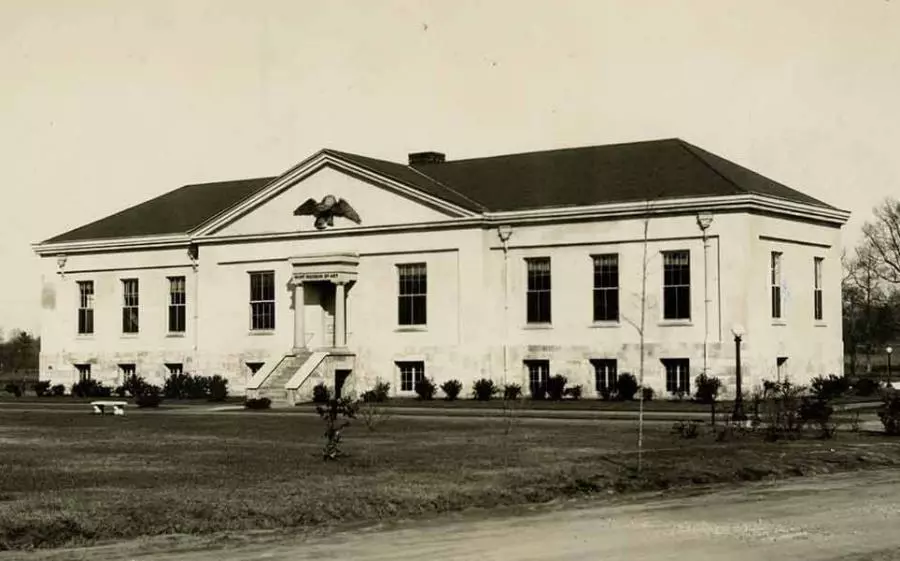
[46, 248]
[744, 202]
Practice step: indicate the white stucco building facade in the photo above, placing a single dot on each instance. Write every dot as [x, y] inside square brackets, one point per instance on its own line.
[512, 268]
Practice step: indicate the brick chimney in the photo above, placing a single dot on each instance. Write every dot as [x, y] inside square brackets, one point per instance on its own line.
[417, 158]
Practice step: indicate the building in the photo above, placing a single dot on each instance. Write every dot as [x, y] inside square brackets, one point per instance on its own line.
[348, 269]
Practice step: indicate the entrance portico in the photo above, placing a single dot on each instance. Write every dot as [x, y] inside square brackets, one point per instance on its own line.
[331, 275]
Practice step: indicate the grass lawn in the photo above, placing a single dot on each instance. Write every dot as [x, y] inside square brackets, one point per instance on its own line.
[660, 405]
[72, 478]
[567, 404]
[31, 399]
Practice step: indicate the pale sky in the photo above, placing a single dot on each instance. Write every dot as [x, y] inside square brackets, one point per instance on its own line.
[106, 103]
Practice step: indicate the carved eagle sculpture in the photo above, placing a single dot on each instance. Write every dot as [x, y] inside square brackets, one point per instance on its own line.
[326, 210]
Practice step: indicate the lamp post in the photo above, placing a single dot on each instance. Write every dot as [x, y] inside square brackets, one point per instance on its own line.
[889, 350]
[738, 414]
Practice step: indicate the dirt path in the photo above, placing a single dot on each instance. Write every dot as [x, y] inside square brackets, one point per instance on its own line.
[845, 517]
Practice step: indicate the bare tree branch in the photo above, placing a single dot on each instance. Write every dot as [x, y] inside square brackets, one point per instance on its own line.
[882, 237]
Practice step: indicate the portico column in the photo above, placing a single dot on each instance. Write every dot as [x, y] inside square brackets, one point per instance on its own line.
[299, 319]
[340, 304]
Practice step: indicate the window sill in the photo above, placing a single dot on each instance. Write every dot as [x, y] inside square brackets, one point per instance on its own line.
[675, 323]
[538, 326]
[778, 323]
[176, 335]
[605, 324]
[261, 332]
[820, 324]
[85, 336]
[410, 328]
[130, 335]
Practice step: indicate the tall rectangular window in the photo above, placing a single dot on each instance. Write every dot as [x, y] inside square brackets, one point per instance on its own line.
[177, 305]
[411, 373]
[605, 375]
[412, 303]
[676, 285]
[678, 375]
[775, 282]
[538, 376]
[538, 290]
[84, 371]
[85, 307]
[130, 309]
[781, 368]
[606, 287]
[127, 372]
[817, 288]
[262, 300]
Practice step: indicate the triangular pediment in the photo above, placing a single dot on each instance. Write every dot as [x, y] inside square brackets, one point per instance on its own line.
[331, 195]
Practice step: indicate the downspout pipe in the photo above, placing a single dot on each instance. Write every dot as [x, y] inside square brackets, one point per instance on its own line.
[504, 232]
[704, 220]
[194, 256]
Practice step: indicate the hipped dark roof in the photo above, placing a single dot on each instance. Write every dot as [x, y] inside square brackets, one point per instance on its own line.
[650, 170]
[175, 212]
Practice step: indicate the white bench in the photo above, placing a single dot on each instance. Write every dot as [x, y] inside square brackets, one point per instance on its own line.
[118, 407]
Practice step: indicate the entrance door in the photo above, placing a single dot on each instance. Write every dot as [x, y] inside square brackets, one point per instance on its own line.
[319, 319]
[340, 377]
[328, 292]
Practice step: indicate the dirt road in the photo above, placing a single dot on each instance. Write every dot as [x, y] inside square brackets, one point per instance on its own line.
[845, 517]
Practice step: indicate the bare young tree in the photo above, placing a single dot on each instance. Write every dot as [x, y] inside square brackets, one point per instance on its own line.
[641, 332]
[864, 301]
[640, 326]
[882, 239]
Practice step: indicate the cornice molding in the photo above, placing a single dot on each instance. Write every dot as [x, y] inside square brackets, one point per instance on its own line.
[112, 244]
[732, 203]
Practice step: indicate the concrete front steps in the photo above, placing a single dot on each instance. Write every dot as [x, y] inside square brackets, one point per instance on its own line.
[292, 379]
[272, 386]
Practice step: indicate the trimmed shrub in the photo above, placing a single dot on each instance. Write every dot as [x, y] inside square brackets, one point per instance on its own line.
[889, 413]
[258, 403]
[648, 394]
[780, 408]
[484, 389]
[865, 387]
[218, 388]
[187, 386]
[626, 386]
[148, 396]
[146, 401]
[574, 392]
[198, 387]
[14, 389]
[90, 388]
[512, 392]
[42, 389]
[451, 389]
[829, 388]
[556, 387]
[379, 394]
[707, 388]
[175, 386]
[817, 412]
[321, 393]
[58, 390]
[425, 389]
[133, 386]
